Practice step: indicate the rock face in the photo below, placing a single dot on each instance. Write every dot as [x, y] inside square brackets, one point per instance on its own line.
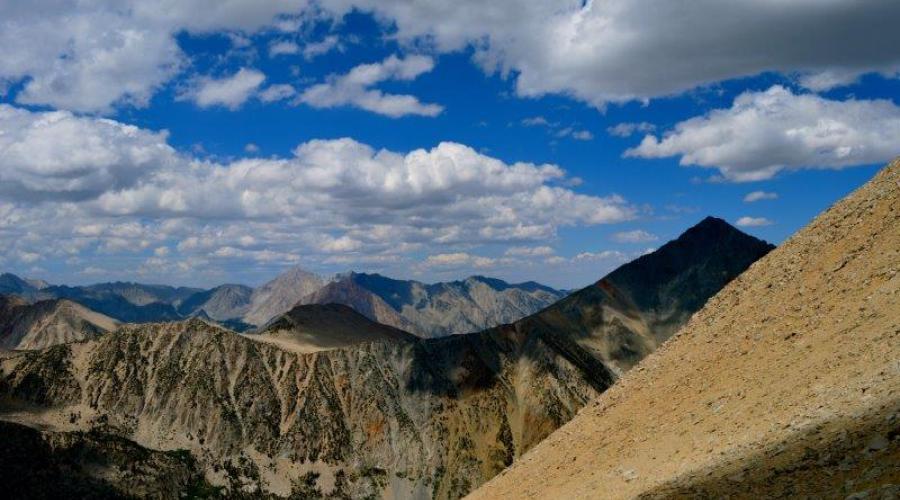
[280, 295]
[429, 418]
[786, 384]
[221, 303]
[316, 327]
[439, 309]
[48, 322]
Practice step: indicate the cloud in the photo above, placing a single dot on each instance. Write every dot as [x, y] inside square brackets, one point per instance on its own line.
[278, 92]
[355, 88]
[535, 121]
[760, 195]
[769, 131]
[754, 222]
[86, 56]
[63, 157]
[326, 45]
[636, 236]
[231, 91]
[589, 50]
[539, 251]
[613, 255]
[627, 129]
[114, 192]
[89, 57]
[282, 48]
[251, 148]
[459, 260]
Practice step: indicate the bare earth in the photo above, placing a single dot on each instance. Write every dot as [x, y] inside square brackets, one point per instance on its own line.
[786, 384]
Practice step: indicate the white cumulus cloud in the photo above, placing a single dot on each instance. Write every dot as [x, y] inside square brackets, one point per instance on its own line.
[356, 88]
[231, 91]
[753, 222]
[635, 236]
[765, 132]
[760, 195]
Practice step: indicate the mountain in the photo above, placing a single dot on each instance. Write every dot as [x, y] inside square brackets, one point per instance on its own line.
[786, 384]
[223, 302]
[12, 284]
[316, 327]
[429, 418]
[281, 294]
[348, 292]
[130, 303]
[436, 310]
[48, 322]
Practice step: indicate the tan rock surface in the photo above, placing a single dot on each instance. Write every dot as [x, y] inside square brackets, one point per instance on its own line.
[786, 384]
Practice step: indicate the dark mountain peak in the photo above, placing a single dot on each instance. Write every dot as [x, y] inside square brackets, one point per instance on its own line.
[690, 268]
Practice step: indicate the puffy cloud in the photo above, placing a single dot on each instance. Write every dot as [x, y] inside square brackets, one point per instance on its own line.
[760, 195]
[535, 121]
[459, 260]
[540, 251]
[326, 45]
[765, 132]
[115, 192]
[278, 92]
[753, 222]
[282, 48]
[60, 156]
[230, 91]
[589, 49]
[627, 129]
[90, 56]
[355, 88]
[636, 236]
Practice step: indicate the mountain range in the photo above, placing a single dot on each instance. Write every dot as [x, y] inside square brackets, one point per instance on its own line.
[427, 310]
[324, 402]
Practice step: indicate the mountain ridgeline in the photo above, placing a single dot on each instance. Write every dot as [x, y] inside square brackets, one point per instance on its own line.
[426, 310]
[369, 410]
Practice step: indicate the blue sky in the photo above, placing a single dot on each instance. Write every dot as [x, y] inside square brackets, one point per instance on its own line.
[203, 144]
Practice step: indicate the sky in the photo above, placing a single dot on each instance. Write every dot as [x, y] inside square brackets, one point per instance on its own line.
[204, 142]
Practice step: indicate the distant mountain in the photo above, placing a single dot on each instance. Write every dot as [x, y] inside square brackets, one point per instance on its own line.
[280, 295]
[127, 302]
[348, 292]
[316, 327]
[432, 417]
[435, 310]
[12, 284]
[220, 303]
[785, 385]
[48, 322]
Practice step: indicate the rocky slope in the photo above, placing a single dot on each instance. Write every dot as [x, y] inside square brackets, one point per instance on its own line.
[315, 327]
[430, 418]
[436, 310]
[221, 303]
[786, 384]
[48, 322]
[281, 294]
